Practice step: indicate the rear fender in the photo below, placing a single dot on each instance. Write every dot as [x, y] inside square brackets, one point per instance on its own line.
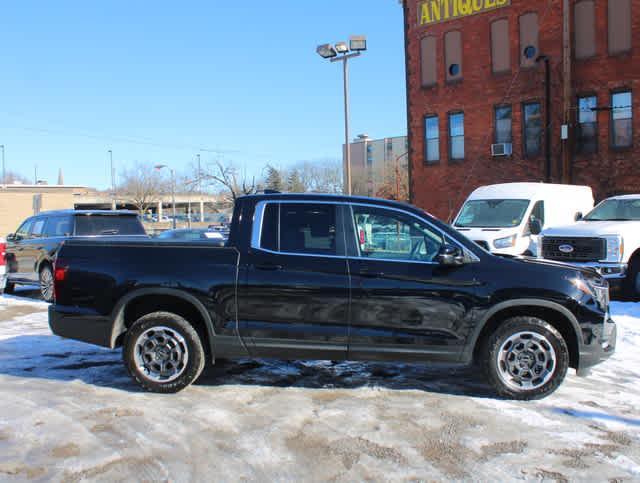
[119, 327]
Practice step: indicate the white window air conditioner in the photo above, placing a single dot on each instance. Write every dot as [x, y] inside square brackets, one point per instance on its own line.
[501, 149]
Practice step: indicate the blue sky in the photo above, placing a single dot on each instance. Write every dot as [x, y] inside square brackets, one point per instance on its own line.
[156, 80]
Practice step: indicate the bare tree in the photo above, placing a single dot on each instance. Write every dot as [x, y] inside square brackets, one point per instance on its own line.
[227, 176]
[323, 176]
[16, 178]
[142, 185]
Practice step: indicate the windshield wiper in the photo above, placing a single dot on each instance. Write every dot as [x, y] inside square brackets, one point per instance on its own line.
[609, 219]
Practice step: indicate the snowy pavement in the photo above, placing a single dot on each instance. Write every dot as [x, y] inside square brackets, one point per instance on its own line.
[68, 412]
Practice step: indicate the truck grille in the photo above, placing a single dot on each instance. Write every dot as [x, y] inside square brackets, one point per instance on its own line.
[574, 249]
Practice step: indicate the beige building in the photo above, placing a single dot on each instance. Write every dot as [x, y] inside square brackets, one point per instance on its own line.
[20, 201]
[379, 167]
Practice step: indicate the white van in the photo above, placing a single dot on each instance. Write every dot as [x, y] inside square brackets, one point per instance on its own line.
[507, 218]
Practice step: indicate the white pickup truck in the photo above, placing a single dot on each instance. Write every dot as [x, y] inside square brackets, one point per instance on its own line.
[607, 238]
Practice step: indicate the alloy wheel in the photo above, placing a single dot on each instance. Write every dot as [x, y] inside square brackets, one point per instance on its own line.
[46, 284]
[161, 354]
[526, 360]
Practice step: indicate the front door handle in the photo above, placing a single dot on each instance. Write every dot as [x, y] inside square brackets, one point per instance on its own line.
[365, 272]
[268, 266]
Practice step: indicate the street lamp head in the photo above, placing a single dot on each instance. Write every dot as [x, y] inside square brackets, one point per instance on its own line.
[342, 47]
[358, 43]
[160, 166]
[326, 51]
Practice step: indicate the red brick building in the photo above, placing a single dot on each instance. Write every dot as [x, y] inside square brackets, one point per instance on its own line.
[476, 78]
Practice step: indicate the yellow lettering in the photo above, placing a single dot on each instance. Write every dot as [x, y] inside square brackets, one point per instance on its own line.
[446, 8]
[490, 4]
[435, 10]
[465, 7]
[425, 18]
[455, 8]
[501, 2]
[477, 5]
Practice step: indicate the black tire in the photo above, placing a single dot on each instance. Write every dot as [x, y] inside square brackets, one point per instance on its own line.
[45, 277]
[186, 341]
[10, 288]
[632, 281]
[502, 351]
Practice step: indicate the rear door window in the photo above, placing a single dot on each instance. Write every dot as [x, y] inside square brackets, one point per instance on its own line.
[105, 225]
[59, 226]
[308, 228]
[37, 229]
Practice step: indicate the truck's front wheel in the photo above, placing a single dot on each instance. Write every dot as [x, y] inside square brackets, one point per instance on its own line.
[163, 352]
[525, 358]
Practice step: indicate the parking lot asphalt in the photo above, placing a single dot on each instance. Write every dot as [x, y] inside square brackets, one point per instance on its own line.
[68, 412]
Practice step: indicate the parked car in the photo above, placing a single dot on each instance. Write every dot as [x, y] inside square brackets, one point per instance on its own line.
[507, 218]
[607, 239]
[308, 276]
[32, 248]
[191, 234]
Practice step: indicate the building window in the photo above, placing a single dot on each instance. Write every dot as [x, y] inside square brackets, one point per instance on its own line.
[456, 135]
[428, 62]
[584, 22]
[619, 15]
[528, 39]
[431, 139]
[587, 134]
[532, 119]
[621, 120]
[453, 55]
[500, 47]
[503, 124]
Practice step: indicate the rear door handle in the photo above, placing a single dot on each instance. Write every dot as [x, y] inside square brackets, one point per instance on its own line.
[365, 272]
[268, 266]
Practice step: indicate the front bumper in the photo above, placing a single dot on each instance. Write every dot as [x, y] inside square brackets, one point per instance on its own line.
[601, 345]
[70, 323]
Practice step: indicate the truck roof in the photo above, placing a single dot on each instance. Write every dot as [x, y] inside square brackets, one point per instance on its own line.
[330, 197]
[624, 197]
[527, 190]
[89, 212]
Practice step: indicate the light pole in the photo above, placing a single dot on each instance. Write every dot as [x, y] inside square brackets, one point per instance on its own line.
[357, 45]
[173, 190]
[199, 178]
[4, 173]
[113, 181]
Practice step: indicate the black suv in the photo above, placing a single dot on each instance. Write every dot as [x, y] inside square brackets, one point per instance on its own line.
[31, 249]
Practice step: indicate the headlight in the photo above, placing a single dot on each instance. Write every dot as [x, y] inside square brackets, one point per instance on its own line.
[615, 248]
[506, 242]
[597, 288]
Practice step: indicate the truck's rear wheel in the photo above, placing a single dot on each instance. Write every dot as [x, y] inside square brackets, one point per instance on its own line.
[525, 358]
[632, 281]
[163, 352]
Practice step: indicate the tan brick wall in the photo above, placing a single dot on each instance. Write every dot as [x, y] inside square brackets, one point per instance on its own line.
[16, 207]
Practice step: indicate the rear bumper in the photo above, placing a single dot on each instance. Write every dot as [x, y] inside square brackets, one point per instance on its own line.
[85, 327]
[601, 347]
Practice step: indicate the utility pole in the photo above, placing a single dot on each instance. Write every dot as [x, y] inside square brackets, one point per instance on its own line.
[566, 76]
[35, 174]
[200, 190]
[4, 172]
[113, 181]
[548, 170]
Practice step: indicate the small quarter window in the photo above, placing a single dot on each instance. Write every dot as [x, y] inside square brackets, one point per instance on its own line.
[269, 236]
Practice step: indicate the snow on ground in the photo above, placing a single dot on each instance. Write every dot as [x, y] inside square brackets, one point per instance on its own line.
[68, 412]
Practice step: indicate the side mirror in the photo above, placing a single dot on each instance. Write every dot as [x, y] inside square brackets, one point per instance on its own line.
[535, 227]
[450, 255]
[578, 216]
[11, 237]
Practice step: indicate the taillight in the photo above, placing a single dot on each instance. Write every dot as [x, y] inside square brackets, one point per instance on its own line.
[60, 271]
[3, 254]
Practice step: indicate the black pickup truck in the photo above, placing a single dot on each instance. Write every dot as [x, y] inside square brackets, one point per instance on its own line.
[332, 277]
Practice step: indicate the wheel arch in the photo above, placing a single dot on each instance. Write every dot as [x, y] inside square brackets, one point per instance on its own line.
[144, 301]
[555, 314]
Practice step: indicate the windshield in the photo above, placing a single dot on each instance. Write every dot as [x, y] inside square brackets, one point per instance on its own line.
[616, 210]
[94, 225]
[492, 213]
